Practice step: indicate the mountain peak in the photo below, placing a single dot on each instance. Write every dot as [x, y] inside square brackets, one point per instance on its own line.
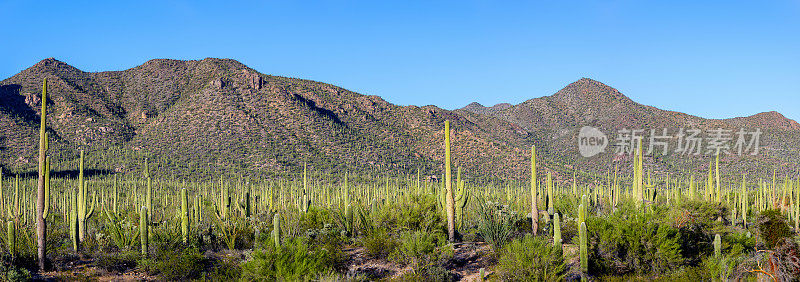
[771, 119]
[51, 64]
[48, 61]
[587, 91]
[474, 105]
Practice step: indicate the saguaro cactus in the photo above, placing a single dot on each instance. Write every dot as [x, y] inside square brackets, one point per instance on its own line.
[584, 250]
[534, 194]
[73, 221]
[82, 201]
[717, 246]
[550, 199]
[451, 220]
[185, 216]
[557, 230]
[41, 228]
[245, 203]
[276, 230]
[11, 237]
[744, 203]
[144, 230]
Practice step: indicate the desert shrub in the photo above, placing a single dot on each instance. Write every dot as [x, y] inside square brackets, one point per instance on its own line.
[632, 240]
[569, 230]
[226, 269]
[165, 235]
[530, 259]
[315, 218]
[433, 273]
[425, 253]
[117, 261]
[738, 243]
[379, 244]
[422, 250]
[14, 273]
[233, 232]
[705, 213]
[723, 268]
[294, 260]
[786, 259]
[420, 214]
[172, 265]
[697, 222]
[773, 228]
[495, 223]
[565, 205]
[331, 239]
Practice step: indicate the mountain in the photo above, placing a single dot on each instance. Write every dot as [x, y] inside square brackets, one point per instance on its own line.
[218, 115]
[208, 117]
[586, 102]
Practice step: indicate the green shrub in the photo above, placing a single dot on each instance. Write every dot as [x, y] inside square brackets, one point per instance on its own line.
[569, 230]
[294, 260]
[722, 268]
[495, 223]
[174, 265]
[14, 273]
[530, 259]
[117, 261]
[773, 228]
[422, 250]
[632, 240]
[379, 244]
[419, 214]
[315, 218]
[434, 273]
[226, 269]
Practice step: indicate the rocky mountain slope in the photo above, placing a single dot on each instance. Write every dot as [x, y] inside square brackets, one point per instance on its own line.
[219, 116]
[586, 102]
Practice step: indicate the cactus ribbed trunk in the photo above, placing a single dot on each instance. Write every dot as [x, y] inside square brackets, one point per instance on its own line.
[276, 230]
[744, 202]
[185, 216]
[534, 194]
[143, 231]
[451, 221]
[557, 230]
[11, 237]
[584, 251]
[41, 228]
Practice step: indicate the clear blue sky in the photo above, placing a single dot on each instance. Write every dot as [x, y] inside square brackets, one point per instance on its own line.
[715, 59]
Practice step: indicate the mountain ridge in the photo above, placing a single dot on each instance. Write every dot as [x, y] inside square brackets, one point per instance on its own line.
[221, 115]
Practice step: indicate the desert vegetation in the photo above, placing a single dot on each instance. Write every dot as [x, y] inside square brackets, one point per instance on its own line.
[303, 226]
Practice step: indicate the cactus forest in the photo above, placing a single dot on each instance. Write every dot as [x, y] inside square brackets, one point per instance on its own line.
[633, 224]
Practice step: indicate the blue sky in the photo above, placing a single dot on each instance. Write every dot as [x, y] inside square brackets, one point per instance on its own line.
[715, 59]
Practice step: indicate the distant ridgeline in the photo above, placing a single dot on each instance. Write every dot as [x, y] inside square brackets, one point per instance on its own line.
[212, 117]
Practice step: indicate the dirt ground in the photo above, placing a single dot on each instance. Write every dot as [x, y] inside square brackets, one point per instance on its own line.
[468, 259]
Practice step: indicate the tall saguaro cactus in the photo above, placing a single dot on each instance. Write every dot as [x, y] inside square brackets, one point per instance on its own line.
[534, 196]
[144, 230]
[451, 220]
[744, 202]
[584, 250]
[185, 216]
[276, 230]
[84, 212]
[41, 225]
[557, 231]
